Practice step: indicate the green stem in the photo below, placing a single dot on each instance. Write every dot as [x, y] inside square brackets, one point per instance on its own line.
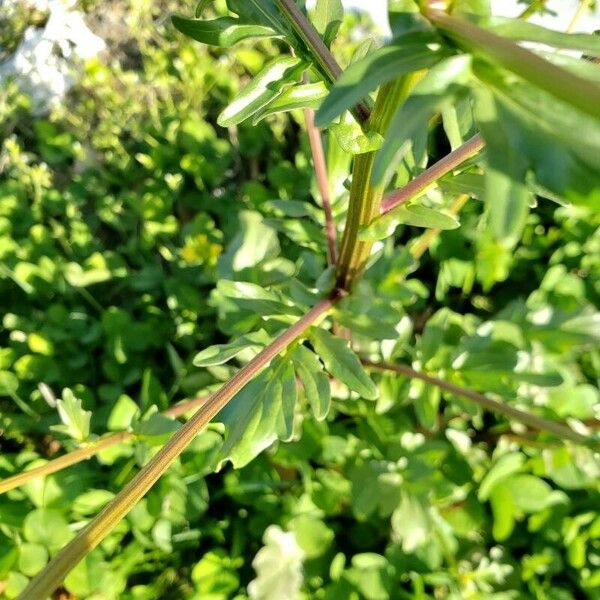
[581, 93]
[91, 449]
[428, 178]
[324, 60]
[49, 579]
[365, 198]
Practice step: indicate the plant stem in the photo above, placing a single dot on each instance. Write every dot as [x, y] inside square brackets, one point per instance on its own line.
[583, 7]
[85, 452]
[533, 421]
[422, 244]
[316, 148]
[421, 183]
[365, 199]
[50, 578]
[325, 61]
[581, 93]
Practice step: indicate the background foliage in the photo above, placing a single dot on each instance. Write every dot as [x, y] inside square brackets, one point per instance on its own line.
[121, 220]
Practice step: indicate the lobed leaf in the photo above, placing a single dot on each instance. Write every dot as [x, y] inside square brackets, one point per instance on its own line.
[314, 381]
[342, 363]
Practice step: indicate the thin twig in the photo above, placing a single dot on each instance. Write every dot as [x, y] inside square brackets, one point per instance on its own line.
[316, 148]
[533, 421]
[50, 578]
[421, 183]
[583, 7]
[323, 57]
[89, 450]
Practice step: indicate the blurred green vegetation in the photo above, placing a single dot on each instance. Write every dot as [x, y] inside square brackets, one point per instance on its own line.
[121, 211]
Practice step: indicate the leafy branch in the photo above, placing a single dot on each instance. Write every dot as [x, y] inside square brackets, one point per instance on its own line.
[533, 421]
[564, 85]
[428, 178]
[325, 61]
[44, 584]
[91, 449]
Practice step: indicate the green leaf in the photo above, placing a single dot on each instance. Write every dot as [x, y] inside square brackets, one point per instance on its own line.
[518, 29]
[223, 32]
[294, 209]
[312, 535]
[503, 468]
[410, 214]
[122, 413]
[576, 401]
[327, 19]
[410, 523]
[261, 12]
[262, 412]
[255, 298]
[156, 429]
[527, 129]
[342, 363]
[9, 383]
[76, 421]
[32, 558]
[222, 353]
[289, 394]
[442, 84]
[472, 184]
[405, 17]
[506, 195]
[352, 139]
[91, 502]
[507, 203]
[569, 88]
[426, 399]
[314, 381]
[378, 67]
[48, 528]
[264, 88]
[503, 510]
[253, 243]
[309, 95]
[532, 494]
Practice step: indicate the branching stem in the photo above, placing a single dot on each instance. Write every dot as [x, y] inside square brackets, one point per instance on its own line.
[50, 578]
[423, 182]
[324, 60]
[316, 148]
[365, 198]
[533, 421]
[89, 450]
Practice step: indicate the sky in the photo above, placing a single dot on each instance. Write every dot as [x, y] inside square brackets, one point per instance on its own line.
[563, 9]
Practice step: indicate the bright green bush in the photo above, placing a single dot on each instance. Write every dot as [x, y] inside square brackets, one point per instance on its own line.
[135, 232]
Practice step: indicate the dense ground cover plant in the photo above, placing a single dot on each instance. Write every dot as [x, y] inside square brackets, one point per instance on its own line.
[391, 486]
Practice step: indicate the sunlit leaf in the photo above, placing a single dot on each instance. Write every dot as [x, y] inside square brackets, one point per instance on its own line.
[342, 363]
